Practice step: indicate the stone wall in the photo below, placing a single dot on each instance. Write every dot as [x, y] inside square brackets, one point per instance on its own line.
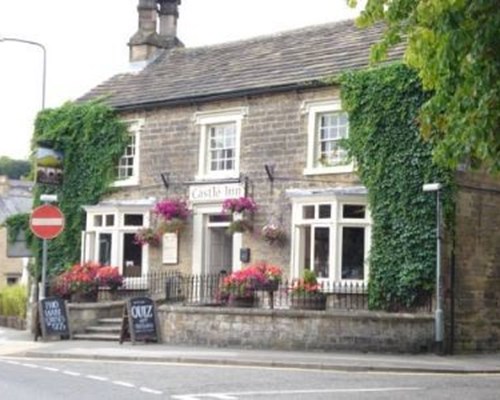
[297, 330]
[477, 264]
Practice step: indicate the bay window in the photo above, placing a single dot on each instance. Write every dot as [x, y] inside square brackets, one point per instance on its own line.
[331, 236]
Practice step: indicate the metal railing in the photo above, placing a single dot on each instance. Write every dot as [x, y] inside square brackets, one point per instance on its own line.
[208, 290]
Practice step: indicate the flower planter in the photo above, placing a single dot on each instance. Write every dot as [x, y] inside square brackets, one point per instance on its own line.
[85, 297]
[308, 301]
[269, 286]
[242, 301]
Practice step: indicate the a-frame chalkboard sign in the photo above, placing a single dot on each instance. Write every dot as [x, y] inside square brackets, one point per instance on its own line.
[140, 321]
[52, 318]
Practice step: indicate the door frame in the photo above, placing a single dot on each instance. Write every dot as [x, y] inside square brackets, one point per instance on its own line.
[200, 232]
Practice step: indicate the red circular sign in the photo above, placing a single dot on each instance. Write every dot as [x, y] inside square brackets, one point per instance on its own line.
[47, 221]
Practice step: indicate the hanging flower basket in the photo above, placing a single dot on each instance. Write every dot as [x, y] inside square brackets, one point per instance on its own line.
[172, 225]
[147, 236]
[273, 234]
[242, 210]
[239, 226]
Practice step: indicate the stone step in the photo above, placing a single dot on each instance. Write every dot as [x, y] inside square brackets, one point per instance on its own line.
[95, 336]
[103, 329]
[110, 321]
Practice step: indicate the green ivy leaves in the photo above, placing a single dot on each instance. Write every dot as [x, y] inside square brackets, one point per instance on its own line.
[393, 163]
[92, 138]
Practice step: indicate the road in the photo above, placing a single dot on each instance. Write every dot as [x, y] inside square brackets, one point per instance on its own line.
[54, 379]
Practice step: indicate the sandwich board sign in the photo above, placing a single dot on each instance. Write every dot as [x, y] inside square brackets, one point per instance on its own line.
[140, 321]
[52, 318]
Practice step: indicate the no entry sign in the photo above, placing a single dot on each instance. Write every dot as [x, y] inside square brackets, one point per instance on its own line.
[47, 221]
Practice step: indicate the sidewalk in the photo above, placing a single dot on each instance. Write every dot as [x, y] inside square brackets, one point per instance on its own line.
[20, 344]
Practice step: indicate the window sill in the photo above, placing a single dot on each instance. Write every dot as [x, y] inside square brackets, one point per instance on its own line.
[341, 169]
[221, 177]
[126, 182]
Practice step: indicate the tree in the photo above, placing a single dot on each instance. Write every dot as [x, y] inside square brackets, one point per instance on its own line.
[14, 169]
[455, 47]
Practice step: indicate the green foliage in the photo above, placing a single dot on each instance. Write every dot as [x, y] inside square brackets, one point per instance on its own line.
[14, 169]
[13, 301]
[92, 139]
[454, 45]
[18, 223]
[394, 162]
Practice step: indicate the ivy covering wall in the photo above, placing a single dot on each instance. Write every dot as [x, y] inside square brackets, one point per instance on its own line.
[92, 138]
[393, 163]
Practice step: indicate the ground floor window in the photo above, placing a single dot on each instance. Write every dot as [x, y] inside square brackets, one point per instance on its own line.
[109, 237]
[331, 236]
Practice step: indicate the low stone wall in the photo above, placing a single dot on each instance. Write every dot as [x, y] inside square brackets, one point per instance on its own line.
[297, 330]
[13, 322]
[81, 315]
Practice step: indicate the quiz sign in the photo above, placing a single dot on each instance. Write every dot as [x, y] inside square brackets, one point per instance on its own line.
[140, 321]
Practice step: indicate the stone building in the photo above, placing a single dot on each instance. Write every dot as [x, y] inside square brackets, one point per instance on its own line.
[15, 198]
[257, 118]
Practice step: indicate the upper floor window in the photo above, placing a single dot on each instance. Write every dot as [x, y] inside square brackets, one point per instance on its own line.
[327, 125]
[220, 133]
[127, 171]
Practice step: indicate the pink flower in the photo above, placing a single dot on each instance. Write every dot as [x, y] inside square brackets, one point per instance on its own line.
[239, 205]
[172, 208]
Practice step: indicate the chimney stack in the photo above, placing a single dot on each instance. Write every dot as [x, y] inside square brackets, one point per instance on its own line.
[146, 41]
[169, 13]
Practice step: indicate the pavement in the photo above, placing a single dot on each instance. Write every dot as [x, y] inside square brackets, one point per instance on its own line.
[15, 343]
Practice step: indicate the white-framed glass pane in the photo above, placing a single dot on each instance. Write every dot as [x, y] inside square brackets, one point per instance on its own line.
[126, 163]
[222, 147]
[353, 211]
[321, 251]
[325, 211]
[110, 220]
[332, 127]
[105, 242]
[353, 253]
[133, 220]
[308, 212]
[132, 256]
[97, 220]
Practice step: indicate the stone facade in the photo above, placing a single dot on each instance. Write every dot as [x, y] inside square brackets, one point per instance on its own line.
[274, 131]
[475, 312]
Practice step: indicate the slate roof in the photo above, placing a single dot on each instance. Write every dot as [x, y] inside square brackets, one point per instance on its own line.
[18, 199]
[289, 59]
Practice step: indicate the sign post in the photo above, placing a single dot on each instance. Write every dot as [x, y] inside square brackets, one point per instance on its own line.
[46, 222]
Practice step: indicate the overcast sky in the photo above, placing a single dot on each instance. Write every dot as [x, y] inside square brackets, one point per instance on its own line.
[86, 43]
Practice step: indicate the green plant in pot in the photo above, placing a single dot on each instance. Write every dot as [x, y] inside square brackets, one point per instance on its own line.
[306, 293]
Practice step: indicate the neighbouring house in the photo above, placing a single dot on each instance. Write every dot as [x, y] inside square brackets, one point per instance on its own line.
[258, 118]
[15, 198]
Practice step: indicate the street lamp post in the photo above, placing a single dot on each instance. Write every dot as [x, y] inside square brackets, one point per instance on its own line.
[439, 315]
[44, 79]
[44, 52]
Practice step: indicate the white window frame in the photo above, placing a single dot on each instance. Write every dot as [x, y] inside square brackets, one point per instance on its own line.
[135, 128]
[313, 110]
[90, 237]
[205, 120]
[336, 222]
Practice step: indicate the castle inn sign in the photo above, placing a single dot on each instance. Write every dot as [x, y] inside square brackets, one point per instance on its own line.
[215, 192]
